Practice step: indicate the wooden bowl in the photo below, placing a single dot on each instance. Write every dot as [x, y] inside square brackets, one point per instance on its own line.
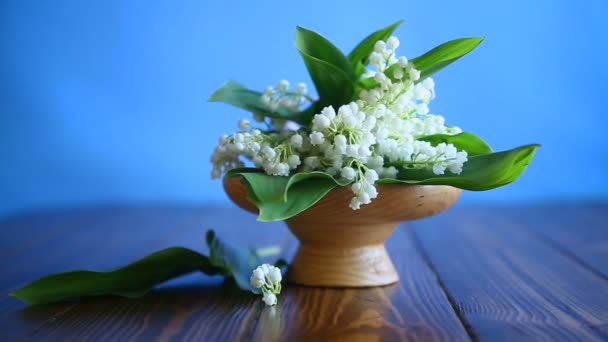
[341, 247]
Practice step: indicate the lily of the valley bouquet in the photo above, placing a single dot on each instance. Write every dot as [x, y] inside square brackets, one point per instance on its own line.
[370, 124]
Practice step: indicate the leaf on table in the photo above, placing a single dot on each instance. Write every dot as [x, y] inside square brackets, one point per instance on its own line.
[139, 277]
[233, 261]
[133, 280]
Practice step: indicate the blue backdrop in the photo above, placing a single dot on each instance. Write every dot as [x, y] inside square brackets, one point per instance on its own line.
[105, 102]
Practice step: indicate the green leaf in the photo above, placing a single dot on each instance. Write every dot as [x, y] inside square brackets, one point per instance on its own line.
[480, 172]
[360, 54]
[133, 280]
[279, 198]
[235, 262]
[366, 83]
[330, 71]
[444, 54]
[469, 142]
[316, 46]
[239, 96]
[139, 277]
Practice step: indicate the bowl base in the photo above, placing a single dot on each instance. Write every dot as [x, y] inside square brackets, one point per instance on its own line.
[334, 266]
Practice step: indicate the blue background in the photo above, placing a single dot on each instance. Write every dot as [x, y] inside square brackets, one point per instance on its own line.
[105, 102]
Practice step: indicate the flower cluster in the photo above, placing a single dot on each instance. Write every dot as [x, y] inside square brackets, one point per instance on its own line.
[268, 279]
[281, 97]
[379, 135]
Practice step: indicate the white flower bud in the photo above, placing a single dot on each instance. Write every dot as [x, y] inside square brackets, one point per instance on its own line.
[348, 173]
[320, 122]
[340, 140]
[244, 124]
[296, 140]
[364, 198]
[301, 88]
[269, 298]
[269, 91]
[316, 138]
[293, 161]
[380, 46]
[269, 152]
[393, 42]
[414, 74]
[355, 204]
[274, 275]
[398, 73]
[371, 176]
[376, 59]
[257, 278]
[329, 112]
[283, 86]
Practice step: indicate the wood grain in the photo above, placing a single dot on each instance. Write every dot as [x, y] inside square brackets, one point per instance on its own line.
[506, 283]
[469, 273]
[579, 230]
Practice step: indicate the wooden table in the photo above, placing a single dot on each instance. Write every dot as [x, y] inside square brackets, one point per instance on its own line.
[489, 273]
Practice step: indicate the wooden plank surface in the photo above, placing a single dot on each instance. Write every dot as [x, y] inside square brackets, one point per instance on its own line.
[470, 273]
[578, 229]
[511, 285]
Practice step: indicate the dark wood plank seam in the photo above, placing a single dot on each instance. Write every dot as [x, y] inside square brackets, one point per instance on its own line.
[566, 252]
[453, 304]
[564, 308]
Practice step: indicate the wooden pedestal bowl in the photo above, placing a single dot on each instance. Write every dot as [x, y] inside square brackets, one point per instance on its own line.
[341, 247]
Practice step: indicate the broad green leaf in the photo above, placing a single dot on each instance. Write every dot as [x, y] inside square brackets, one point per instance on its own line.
[317, 46]
[444, 54]
[131, 281]
[279, 198]
[239, 96]
[480, 172]
[333, 86]
[235, 262]
[139, 277]
[463, 141]
[330, 71]
[360, 54]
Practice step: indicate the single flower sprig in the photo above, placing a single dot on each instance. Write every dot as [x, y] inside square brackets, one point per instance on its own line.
[267, 278]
